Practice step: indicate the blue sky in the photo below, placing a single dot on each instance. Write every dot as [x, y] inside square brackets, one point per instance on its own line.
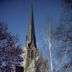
[15, 13]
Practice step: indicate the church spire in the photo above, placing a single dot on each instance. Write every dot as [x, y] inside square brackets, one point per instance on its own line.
[31, 30]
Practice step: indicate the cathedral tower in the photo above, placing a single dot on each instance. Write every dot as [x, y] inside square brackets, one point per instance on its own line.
[33, 61]
[30, 50]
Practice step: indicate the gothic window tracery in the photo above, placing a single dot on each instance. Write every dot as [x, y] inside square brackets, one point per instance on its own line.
[28, 53]
[32, 54]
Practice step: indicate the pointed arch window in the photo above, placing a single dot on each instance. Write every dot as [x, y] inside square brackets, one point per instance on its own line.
[32, 54]
[28, 53]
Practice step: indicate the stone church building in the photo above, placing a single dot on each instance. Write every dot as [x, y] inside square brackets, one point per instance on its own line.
[32, 60]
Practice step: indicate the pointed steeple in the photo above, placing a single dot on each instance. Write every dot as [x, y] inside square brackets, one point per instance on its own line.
[31, 30]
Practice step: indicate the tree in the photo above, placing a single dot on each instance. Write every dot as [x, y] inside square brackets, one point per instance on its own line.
[64, 34]
[9, 48]
[46, 33]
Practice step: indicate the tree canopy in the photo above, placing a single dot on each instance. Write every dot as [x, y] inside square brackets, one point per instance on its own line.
[10, 50]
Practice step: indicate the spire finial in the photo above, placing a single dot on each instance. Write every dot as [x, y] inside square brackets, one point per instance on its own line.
[31, 31]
